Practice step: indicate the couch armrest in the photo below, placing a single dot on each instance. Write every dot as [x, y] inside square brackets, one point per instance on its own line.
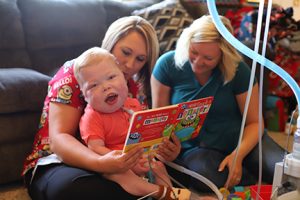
[22, 90]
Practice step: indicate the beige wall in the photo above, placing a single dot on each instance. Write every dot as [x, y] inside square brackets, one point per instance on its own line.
[290, 3]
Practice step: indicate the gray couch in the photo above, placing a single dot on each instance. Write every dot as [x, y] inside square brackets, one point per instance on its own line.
[36, 38]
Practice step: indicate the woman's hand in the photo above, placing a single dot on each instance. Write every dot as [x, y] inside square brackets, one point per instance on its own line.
[118, 162]
[235, 175]
[169, 150]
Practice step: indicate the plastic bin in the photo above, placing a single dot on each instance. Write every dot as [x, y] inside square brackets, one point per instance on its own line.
[265, 192]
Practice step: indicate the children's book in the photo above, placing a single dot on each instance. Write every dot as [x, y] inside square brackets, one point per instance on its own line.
[149, 127]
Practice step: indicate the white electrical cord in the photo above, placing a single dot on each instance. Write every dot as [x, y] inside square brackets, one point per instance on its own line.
[148, 195]
[253, 69]
[197, 176]
[261, 78]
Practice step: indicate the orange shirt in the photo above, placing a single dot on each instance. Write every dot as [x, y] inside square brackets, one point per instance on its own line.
[109, 127]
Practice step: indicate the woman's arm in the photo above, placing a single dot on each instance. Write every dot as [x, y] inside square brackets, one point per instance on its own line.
[63, 124]
[160, 93]
[250, 137]
[168, 150]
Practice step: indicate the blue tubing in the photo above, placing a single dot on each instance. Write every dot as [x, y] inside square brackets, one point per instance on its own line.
[250, 53]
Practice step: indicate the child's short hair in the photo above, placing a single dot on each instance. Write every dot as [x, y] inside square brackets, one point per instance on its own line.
[90, 57]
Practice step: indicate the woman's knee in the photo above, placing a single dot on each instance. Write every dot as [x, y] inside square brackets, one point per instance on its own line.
[205, 162]
[64, 182]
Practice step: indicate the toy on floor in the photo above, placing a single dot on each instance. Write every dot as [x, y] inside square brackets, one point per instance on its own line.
[237, 193]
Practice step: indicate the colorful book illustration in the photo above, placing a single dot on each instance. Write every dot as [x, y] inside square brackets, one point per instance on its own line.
[149, 127]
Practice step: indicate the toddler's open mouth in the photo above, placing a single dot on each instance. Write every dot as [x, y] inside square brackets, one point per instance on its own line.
[111, 98]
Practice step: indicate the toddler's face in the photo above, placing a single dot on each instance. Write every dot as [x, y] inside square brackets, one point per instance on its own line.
[104, 86]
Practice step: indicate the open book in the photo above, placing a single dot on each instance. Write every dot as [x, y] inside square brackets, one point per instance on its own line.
[149, 127]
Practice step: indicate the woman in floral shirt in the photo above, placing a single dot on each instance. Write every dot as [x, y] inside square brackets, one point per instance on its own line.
[60, 166]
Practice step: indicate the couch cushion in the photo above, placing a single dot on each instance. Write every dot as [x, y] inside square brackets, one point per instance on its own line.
[12, 158]
[125, 8]
[11, 31]
[12, 43]
[57, 31]
[195, 8]
[48, 61]
[22, 90]
[10, 58]
[169, 18]
[53, 24]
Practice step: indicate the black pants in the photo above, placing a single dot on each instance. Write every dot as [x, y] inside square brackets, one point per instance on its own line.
[206, 163]
[60, 182]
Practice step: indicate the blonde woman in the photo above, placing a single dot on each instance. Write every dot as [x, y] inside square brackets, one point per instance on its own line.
[116, 41]
[205, 64]
[60, 166]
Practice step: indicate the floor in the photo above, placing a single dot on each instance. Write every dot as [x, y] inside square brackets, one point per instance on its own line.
[16, 191]
[283, 140]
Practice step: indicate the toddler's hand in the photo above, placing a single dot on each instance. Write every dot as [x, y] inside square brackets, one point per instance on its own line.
[142, 167]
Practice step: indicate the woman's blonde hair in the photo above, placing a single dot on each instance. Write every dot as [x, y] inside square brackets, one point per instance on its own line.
[121, 28]
[204, 30]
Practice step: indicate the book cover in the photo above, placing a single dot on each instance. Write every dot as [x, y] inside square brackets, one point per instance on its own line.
[149, 127]
[190, 118]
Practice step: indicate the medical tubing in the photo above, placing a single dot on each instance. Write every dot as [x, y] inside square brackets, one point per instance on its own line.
[253, 69]
[148, 195]
[287, 142]
[211, 185]
[261, 78]
[150, 172]
[296, 144]
[251, 54]
[254, 64]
